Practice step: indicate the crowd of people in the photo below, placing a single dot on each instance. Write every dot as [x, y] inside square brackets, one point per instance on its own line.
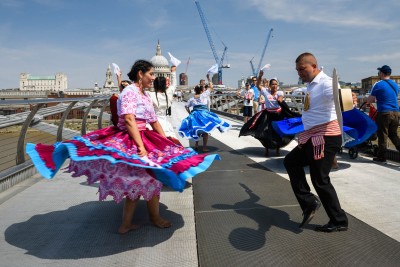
[140, 153]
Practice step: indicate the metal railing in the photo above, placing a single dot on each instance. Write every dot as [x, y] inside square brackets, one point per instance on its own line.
[232, 104]
[38, 110]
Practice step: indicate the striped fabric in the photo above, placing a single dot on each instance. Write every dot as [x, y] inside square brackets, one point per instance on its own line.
[317, 134]
[141, 124]
[275, 110]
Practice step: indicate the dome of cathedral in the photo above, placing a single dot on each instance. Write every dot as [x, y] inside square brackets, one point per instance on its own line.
[159, 62]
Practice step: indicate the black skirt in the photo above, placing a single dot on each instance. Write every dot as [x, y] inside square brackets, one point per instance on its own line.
[260, 127]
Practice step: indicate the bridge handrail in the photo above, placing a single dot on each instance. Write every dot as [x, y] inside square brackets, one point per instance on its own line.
[49, 100]
[38, 111]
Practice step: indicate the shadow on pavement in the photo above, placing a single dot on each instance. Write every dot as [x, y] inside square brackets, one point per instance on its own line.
[249, 239]
[88, 230]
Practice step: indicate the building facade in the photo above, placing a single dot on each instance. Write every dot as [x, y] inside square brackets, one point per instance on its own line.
[109, 82]
[183, 79]
[54, 83]
[367, 83]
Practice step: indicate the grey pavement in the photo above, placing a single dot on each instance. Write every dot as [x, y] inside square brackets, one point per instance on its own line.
[60, 222]
[367, 190]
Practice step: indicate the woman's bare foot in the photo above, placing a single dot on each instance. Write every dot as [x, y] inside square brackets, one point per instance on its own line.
[205, 150]
[161, 223]
[123, 229]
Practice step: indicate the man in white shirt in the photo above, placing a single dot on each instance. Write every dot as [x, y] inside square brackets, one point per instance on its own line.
[318, 145]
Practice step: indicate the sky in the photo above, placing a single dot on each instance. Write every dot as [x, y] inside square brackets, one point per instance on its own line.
[81, 38]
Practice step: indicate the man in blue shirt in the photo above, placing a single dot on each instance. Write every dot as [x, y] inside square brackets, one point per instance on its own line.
[256, 94]
[384, 93]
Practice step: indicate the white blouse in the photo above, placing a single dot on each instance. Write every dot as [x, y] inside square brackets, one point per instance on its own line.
[196, 101]
[271, 100]
[160, 102]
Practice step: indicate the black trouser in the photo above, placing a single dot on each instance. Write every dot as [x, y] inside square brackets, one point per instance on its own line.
[388, 123]
[303, 156]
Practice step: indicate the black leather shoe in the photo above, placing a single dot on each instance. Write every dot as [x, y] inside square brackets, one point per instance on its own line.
[330, 227]
[309, 213]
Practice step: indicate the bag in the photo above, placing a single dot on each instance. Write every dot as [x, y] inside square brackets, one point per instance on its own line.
[390, 85]
[168, 111]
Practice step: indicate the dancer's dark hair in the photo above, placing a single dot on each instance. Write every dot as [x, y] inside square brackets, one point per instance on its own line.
[198, 89]
[139, 65]
[160, 86]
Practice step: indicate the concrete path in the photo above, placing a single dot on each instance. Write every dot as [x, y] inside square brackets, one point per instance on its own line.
[61, 223]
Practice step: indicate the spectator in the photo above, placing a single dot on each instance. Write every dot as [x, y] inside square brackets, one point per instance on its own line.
[247, 94]
[179, 95]
[256, 94]
[384, 93]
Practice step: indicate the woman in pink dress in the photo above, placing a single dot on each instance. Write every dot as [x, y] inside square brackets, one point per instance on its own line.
[128, 160]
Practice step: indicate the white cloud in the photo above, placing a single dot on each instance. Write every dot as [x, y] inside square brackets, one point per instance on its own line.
[377, 57]
[332, 13]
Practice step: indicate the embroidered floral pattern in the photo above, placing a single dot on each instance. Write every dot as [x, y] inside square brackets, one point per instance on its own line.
[117, 180]
[131, 101]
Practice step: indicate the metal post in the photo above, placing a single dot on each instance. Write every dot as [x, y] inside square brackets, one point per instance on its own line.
[224, 102]
[83, 130]
[229, 104]
[63, 118]
[237, 106]
[212, 100]
[100, 117]
[20, 158]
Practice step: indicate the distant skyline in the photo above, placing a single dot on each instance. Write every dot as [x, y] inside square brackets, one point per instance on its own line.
[82, 37]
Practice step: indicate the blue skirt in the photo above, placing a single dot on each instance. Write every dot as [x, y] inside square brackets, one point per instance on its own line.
[201, 121]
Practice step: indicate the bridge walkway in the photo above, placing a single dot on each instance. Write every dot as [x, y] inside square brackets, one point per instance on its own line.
[240, 212]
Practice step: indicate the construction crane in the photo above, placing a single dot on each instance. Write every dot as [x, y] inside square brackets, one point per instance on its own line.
[252, 67]
[187, 65]
[210, 41]
[183, 76]
[256, 71]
